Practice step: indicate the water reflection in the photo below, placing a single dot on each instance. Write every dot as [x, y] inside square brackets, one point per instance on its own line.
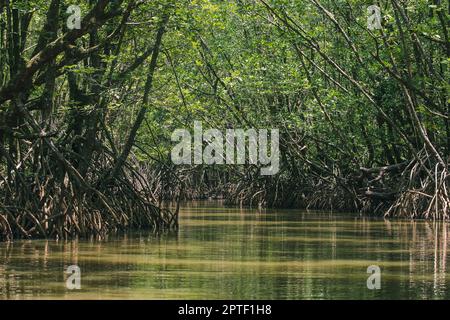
[224, 253]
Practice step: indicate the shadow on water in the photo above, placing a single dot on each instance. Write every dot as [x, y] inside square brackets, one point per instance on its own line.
[233, 253]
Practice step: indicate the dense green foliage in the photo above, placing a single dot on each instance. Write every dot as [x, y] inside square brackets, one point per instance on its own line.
[87, 115]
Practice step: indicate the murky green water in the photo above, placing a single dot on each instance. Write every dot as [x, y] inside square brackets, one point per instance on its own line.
[223, 253]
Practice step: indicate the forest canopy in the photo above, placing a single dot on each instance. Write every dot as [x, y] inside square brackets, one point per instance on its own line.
[87, 111]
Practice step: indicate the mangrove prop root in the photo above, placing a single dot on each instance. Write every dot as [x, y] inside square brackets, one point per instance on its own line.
[55, 201]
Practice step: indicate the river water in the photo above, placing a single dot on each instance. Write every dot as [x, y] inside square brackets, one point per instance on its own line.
[233, 253]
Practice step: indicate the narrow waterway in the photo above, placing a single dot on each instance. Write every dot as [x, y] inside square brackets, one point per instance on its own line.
[233, 253]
